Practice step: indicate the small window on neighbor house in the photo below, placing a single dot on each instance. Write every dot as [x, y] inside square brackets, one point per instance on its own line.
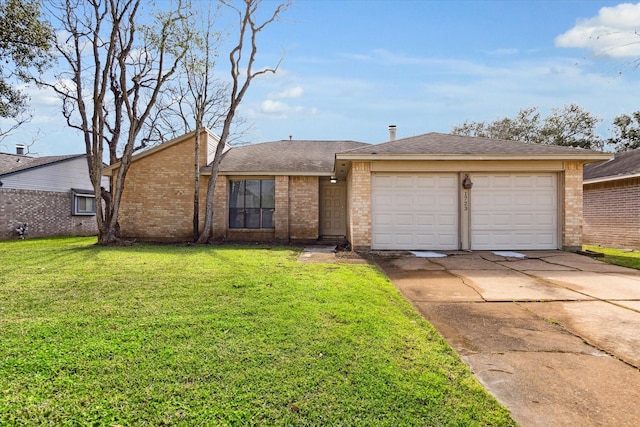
[252, 203]
[84, 203]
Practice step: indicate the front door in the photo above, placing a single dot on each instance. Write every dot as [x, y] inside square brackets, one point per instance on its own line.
[332, 209]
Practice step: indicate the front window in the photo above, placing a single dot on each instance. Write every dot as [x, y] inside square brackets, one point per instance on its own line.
[252, 203]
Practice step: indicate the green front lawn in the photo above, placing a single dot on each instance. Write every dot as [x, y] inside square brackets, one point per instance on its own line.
[218, 335]
[617, 256]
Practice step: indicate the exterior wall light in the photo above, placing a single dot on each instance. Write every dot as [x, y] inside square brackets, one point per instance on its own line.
[333, 180]
[466, 182]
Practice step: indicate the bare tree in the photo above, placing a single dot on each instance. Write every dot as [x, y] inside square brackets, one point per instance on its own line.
[242, 58]
[197, 101]
[116, 69]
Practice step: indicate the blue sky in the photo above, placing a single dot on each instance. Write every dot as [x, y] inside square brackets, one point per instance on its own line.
[351, 68]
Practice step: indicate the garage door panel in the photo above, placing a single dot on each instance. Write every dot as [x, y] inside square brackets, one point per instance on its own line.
[514, 211]
[383, 220]
[404, 182]
[403, 239]
[447, 201]
[423, 210]
[449, 220]
[425, 200]
[545, 220]
[404, 200]
[524, 220]
[425, 220]
[405, 219]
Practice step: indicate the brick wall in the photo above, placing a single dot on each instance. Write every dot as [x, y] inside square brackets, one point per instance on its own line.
[296, 215]
[281, 214]
[360, 205]
[47, 213]
[304, 208]
[220, 206]
[612, 213]
[157, 203]
[572, 226]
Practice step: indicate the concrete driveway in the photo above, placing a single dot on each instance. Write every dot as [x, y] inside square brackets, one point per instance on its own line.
[554, 336]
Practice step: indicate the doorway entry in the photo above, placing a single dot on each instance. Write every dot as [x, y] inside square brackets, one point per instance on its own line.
[333, 198]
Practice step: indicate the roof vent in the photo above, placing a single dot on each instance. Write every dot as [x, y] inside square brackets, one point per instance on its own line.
[19, 149]
[392, 132]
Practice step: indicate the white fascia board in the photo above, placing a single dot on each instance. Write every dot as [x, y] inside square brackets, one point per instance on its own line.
[267, 173]
[583, 157]
[610, 178]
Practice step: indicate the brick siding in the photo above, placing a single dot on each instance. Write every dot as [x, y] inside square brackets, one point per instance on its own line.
[360, 205]
[612, 213]
[47, 213]
[572, 226]
[304, 208]
[157, 203]
[220, 205]
[281, 214]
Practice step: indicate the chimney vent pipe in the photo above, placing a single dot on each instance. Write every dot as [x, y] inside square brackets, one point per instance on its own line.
[392, 132]
[20, 149]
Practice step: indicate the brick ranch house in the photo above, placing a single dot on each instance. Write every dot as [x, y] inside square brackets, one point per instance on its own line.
[612, 201]
[432, 191]
[53, 194]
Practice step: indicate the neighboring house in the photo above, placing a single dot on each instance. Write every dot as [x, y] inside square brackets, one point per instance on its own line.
[53, 194]
[612, 201]
[433, 191]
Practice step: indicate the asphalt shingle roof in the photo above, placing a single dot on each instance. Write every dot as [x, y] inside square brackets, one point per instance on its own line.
[440, 143]
[12, 163]
[286, 156]
[623, 164]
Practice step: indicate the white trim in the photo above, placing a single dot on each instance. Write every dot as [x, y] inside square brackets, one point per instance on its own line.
[74, 208]
[610, 178]
[370, 157]
[267, 173]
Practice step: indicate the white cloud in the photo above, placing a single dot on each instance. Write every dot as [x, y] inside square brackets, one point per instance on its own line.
[278, 110]
[612, 33]
[294, 92]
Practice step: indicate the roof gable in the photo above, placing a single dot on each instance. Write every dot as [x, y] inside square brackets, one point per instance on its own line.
[286, 156]
[622, 165]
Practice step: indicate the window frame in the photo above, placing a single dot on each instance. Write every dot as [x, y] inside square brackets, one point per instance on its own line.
[239, 217]
[82, 195]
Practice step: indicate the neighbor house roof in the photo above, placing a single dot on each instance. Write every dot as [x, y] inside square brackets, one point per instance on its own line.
[439, 146]
[622, 165]
[14, 163]
[286, 157]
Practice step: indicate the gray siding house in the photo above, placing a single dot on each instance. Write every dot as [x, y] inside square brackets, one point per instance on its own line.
[53, 194]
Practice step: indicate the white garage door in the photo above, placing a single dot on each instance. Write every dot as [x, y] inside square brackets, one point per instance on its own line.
[414, 211]
[514, 211]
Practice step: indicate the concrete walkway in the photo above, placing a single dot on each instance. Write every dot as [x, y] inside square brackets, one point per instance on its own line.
[555, 337]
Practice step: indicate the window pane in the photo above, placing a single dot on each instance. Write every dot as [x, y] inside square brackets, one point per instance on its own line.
[236, 194]
[85, 204]
[267, 218]
[252, 218]
[236, 218]
[268, 194]
[252, 194]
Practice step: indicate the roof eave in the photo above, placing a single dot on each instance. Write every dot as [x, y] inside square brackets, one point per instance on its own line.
[610, 178]
[207, 172]
[595, 157]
